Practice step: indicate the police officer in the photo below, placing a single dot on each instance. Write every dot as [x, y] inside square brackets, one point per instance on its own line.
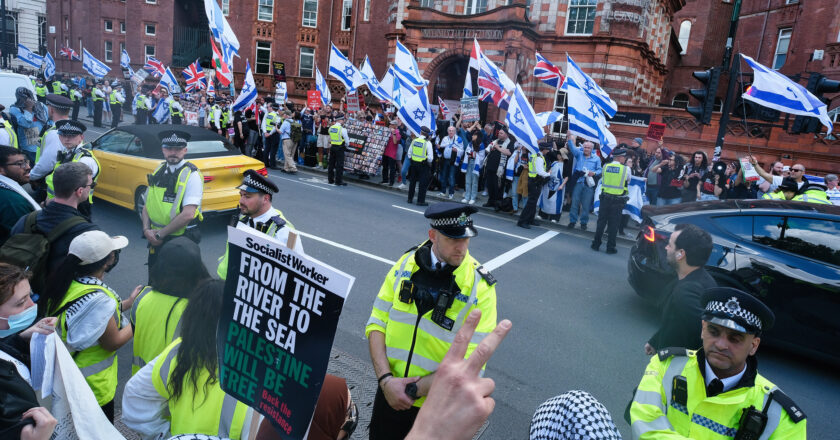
[785, 191]
[537, 177]
[176, 110]
[255, 210]
[143, 105]
[71, 135]
[422, 303]
[98, 97]
[116, 100]
[338, 140]
[813, 193]
[716, 392]
[421, 154]
[268, 127]
[215, 115]
[616, 177]
[41, 91]
[173, 200]
[8, 137]
[76, 100]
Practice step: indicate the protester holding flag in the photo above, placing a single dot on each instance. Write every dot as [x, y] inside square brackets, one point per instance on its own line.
[587, 169]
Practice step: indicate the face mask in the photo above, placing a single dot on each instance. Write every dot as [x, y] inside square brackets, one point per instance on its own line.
[20, 322]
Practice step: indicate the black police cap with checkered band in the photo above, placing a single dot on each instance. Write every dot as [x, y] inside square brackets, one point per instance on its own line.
[69, 127]
[173, 139]
[254, 182]
[452, 219]
[736, 310]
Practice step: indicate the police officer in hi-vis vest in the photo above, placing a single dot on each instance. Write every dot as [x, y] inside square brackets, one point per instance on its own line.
[716, 392]
[269, 126]
[423, 302]
[71, 135]
[537, 177]
[338, 140]
[116, 100]
[614, 184]
[173, 200]
[420, 153]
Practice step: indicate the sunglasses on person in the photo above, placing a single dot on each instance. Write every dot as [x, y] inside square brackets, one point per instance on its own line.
[797, 170]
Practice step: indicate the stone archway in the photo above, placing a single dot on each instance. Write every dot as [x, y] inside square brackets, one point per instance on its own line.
[446, 74]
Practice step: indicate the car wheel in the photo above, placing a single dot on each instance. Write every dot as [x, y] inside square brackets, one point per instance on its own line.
[140, 201]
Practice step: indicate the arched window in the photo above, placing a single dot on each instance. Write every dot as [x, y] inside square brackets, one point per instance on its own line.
[685, 33]
[681, 100]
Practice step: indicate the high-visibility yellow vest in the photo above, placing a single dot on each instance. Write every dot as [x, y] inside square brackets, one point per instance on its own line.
[335, 135]
[614, 179]
[418, 149]
[397, 319]
[114, 99]
[141, 103]
[532, 164]
[13, 141]
[174, 110]
[225, 117]
[270, 121]
[41, 91]
[163, 209]
[99, 366]
[74, 96]
[655, 413]
[212, 114]
[272, 229]
[817, 196]
[157, 322]
[42, 142]
[775, 195]
[56, 85]
[81, 152]
[95, 96]
[207, 410]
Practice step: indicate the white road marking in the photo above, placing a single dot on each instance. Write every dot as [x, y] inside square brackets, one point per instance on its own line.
[348, 248]
[298, 181]
[477, 227]
[519, 250]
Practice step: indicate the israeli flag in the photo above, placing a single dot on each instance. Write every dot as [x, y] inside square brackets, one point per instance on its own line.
[587, 84]
[29, 57]
[168, 80]
[49, 66]
[221, 31]
[248, 94]
[373, 83]
[637, 198]
[586, 119]
[342, 69]
[93, 66]
[547, 118]
[161, 111]
[467, 92]
[523, 122]
[125, 60]
[321, 86]
[416, 112]
[406, 67]
[774, 90]
[551, 196]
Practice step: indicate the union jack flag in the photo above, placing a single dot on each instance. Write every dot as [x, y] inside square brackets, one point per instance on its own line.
[194, 76]
[154, 67]
[211, 89]
[69, 53]
[444, 110]
[547, 72]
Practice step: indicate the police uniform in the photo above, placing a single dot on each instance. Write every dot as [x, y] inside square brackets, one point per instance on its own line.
[116, 100]
[271, 137]
[80, 153]
[420, 307]
[143, 106]
[813, 193]
[537, 177]
[269, 223]
[338, 141]
[98, 97]
[614, 182]
[176, 111]
[171, 188]
[7, 131]
[215, 114]
[420, 154]
[680, 395]
[41, 92]
[76, 100]
[788, 185]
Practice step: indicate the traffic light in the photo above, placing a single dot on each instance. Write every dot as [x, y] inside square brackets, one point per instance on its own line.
[818, 85]
[706, 95]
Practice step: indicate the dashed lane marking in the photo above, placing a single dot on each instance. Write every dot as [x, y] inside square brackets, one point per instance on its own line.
[519, 250]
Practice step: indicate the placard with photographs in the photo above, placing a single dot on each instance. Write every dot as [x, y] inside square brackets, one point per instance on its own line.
[367, 143]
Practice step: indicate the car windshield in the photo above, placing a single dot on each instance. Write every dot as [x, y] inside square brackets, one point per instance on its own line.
[198, 148]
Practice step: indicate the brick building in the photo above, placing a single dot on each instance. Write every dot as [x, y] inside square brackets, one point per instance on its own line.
[26, 24]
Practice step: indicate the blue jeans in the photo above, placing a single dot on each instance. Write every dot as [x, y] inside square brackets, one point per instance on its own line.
[89, 106]
[582, 198]
[447, 177]
[665, 202]
[708, 197]
[470, 182]
[652, 192]
[404, 170]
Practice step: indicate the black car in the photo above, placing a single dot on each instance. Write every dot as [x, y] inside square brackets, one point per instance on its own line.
[785, 253]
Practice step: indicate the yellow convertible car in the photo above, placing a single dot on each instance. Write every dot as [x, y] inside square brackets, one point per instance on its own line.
[129, 153]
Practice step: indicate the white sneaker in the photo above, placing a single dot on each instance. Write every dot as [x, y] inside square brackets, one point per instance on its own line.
[402, 186]
[463, 200]
[471, 202]
[555, 221]
[484, 193]
[451, 196]
[441, 195]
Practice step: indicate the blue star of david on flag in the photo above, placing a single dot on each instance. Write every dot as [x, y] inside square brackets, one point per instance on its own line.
[419, 114]
[517, 117]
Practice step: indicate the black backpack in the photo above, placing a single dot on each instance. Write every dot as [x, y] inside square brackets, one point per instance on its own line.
[30, 248]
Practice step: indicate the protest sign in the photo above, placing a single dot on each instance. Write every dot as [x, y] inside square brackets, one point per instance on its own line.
[353, 104]
[138, 77]
[280, 92]
[469, 110]
[279, 71]
[313, 99]
[656, 130]
[367, 142]
[750, 174]
[279, 317]
[191, 118]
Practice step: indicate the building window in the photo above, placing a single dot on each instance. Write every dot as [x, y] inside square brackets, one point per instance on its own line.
[680, 101]
[366, 15]
[346, 14]
[307, 62]
[581, 17]
[109, 51]
[150, 29]
[310, 13]
[426, 3]
[122, 27]
[782, 48]
[225, 7]
[122, 47]
[263, 57]
[475, 7]
[265, 10]
[42, 32]
[149, 51]
[791, 2]
[685, 32]
[11, 27]
[151, 2]
[109, 26]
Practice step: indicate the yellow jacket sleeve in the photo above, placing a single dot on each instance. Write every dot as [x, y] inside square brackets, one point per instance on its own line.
[487, 304]
[647, 412]
[384, 301]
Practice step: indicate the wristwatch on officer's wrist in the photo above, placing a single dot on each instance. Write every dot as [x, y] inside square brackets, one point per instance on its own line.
[157, 236]
[411, 391]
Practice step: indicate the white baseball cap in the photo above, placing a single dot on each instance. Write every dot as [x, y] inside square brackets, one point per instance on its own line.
[93, 246]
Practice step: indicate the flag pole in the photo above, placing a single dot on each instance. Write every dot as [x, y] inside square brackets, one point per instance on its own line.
[734, 69]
